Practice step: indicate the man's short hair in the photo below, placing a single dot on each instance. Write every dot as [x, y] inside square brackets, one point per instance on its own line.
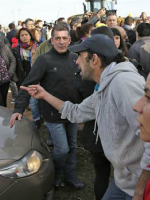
[38, 21]
[128, 21]
[61, 19]
[82, 30]
[110, 14]
[11, 26]
[103, 30]
[62, 26]
[143, 29]
[27, 20]
[23, 23]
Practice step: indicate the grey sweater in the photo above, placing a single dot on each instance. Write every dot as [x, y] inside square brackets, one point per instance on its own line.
[120, 87]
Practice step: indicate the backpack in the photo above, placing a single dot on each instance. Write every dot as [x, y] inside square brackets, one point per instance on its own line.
[4, 75]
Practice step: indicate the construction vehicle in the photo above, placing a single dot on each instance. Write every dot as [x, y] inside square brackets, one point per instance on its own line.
[95, 5]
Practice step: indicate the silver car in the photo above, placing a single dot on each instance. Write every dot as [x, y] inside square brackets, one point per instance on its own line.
[26, 167]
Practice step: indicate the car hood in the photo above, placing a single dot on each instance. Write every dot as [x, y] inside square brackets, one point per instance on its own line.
[14, 142]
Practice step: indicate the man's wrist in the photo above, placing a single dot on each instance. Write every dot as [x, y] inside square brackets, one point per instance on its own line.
[46, 96]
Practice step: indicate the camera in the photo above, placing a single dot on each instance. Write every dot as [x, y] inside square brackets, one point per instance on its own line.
[46, 24]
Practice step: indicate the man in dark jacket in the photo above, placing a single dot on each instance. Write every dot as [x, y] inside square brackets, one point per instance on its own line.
[140, 50]
[55, 71]
[128, 23]
[11, 33]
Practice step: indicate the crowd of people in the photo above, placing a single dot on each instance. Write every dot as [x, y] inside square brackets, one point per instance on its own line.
[90, 71]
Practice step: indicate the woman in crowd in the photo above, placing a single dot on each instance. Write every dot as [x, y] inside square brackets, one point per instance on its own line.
[7, 71]
[143, 109]
[120, 44]
[24, 53]
[36, 33]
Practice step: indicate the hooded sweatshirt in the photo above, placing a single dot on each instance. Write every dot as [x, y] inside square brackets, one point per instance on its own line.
[112, 107]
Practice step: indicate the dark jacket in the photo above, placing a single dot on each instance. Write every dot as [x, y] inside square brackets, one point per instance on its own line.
[56, 74]
[22, 67]
[10, 35]
[140, 51]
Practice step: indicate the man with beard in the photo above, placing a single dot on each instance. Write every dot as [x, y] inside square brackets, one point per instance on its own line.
[120, 86]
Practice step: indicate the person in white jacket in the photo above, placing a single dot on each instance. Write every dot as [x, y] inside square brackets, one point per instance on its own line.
[120, 86]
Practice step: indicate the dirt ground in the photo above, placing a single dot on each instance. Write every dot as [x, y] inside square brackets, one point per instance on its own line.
[85, 171]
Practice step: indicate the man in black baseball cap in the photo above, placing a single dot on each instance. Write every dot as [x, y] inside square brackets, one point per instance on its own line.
[120, 86]
[92, 51]
[100, 44]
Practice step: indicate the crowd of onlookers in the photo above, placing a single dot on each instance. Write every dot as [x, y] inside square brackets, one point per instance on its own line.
[125, 30]
[25, 47]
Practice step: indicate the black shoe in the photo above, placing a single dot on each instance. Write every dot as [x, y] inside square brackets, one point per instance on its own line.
[76, 183]
[37, 124]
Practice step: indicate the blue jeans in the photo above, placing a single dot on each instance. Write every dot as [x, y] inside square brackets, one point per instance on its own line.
[64, 137]
[114, 193]
[34, 106]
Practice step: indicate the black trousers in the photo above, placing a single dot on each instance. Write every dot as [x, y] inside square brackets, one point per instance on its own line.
[102, 174]
[3, 94]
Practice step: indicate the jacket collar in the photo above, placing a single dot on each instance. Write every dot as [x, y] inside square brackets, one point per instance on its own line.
[59, 54]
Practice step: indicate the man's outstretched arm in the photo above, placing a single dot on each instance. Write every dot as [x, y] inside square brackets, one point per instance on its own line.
[76, 113]
[38, 92]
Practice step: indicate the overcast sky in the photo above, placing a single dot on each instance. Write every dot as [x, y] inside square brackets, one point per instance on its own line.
[50, 10]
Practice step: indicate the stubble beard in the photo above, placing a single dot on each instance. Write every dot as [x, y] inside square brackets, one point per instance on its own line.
[88, 73]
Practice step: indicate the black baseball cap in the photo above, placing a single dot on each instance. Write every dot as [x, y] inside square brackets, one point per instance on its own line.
[100, 44]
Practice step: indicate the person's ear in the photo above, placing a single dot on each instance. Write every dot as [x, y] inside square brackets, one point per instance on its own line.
[69, 40]
[94, 59]
[52, 41]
